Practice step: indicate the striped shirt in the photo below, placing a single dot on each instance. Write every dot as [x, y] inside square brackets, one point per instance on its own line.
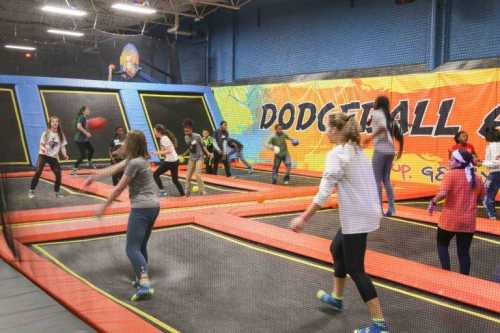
[349, 170]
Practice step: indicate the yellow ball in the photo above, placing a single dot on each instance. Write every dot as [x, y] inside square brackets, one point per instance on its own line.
[195, 189]
[181, 159]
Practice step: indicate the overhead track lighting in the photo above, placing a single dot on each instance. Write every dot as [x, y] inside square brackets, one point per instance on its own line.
[20, 47]
[65, 32]
[137, 9]
[64, 11]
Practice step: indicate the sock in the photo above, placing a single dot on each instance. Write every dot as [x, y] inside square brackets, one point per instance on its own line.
[336, 297]
[380, 322]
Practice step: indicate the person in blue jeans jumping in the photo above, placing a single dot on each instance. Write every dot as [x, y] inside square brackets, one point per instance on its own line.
[145, 204]
[492, 163]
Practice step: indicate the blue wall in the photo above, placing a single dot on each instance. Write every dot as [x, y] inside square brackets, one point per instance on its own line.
[32, 113]
[474, 29]
[279, 38]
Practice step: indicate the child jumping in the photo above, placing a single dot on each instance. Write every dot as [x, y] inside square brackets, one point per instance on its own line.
[52, 143]
[170, 162]
[461, 188]
[196, 152]
[144, 202]
[349, 171]
[277, 143]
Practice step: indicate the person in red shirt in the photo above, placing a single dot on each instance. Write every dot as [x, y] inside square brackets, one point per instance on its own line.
[461, 142]
[462, 189]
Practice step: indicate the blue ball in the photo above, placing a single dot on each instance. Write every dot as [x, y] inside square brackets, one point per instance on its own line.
[295, 142]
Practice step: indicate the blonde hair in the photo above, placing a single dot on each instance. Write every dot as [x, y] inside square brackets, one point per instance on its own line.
[347, 125]
[135, 145]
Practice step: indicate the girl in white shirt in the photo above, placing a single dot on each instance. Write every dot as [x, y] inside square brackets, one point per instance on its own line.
[492, 162]
[170, 161]
[52, 143]
[349, 171]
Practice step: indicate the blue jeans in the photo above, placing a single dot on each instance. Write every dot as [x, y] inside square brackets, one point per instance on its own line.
[140, 225]
[492, 186]
[276, 167]
[382, 166]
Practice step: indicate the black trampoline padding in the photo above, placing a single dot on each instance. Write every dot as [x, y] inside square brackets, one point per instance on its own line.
[17, 195]
[171, 110]
[207, 282]
[406, 239]
[65, 104]
[26, 308]
[11, 130]
[266, 177]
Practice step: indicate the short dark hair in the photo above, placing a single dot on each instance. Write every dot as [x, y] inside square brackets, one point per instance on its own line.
[187, 123]
[457, 135]
[223, 122]
[276, 126]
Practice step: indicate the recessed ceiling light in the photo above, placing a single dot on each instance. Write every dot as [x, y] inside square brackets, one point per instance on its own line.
[134, 8]
[20, 47]
[65, 32]
[64, 11]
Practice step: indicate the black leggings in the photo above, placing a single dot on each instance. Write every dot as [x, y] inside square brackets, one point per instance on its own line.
[348, 252]
[174, 173]
[54, 166]
[464, 241]
[84, 148]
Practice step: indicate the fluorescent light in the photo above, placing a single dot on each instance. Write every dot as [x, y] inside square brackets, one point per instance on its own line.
[64, 11]
[20, 47]
[66, 32]
[134, 8]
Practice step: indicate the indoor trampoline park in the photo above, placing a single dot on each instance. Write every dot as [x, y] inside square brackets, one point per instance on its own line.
[249, 166]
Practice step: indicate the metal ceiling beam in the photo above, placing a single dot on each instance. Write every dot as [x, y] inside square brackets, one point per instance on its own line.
[217, 4]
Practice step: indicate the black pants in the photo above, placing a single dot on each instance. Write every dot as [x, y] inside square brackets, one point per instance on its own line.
[54, 166]
[86, 151]
[174, 173]
[116, 177]
[209, 165]
[464, 241]
[348, 252]
[227, 166]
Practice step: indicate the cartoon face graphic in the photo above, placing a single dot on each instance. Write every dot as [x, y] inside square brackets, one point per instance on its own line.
[129, 61]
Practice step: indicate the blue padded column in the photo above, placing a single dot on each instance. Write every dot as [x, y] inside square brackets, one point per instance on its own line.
[135, 115]
[32, 116]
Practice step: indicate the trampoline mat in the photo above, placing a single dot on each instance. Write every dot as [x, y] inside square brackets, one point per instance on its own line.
[265, 177]
[423, 203]
[404, 239]
[17, 195]
[207, 282]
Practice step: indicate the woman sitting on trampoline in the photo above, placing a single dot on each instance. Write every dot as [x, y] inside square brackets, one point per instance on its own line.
[52, 143]
[145, 203]
[349, 171]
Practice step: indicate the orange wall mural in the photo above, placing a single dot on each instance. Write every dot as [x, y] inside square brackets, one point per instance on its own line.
[431, 108]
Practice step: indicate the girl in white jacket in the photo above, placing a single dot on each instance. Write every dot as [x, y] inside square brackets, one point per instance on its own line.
[349, 171]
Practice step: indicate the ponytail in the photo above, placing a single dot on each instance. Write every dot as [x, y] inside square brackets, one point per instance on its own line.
[382, 103]
[347, 125]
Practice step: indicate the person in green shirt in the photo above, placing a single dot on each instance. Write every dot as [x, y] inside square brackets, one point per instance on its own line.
[277, 143]
[211, 145]
[82, 138]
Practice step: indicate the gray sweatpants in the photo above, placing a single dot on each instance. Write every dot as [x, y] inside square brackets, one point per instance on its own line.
[382, 165]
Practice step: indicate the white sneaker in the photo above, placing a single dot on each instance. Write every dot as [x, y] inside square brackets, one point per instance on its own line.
[286, 182]
[163, 194]
[74, 171]
[31, 194]
[59, 195]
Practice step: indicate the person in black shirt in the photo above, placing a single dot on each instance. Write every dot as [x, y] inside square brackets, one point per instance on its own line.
[115, 153]
[221, 135]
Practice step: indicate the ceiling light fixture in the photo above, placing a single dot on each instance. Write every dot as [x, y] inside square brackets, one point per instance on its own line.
[65, 32]
[64, 11]
[134, 8]
[20, 47]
